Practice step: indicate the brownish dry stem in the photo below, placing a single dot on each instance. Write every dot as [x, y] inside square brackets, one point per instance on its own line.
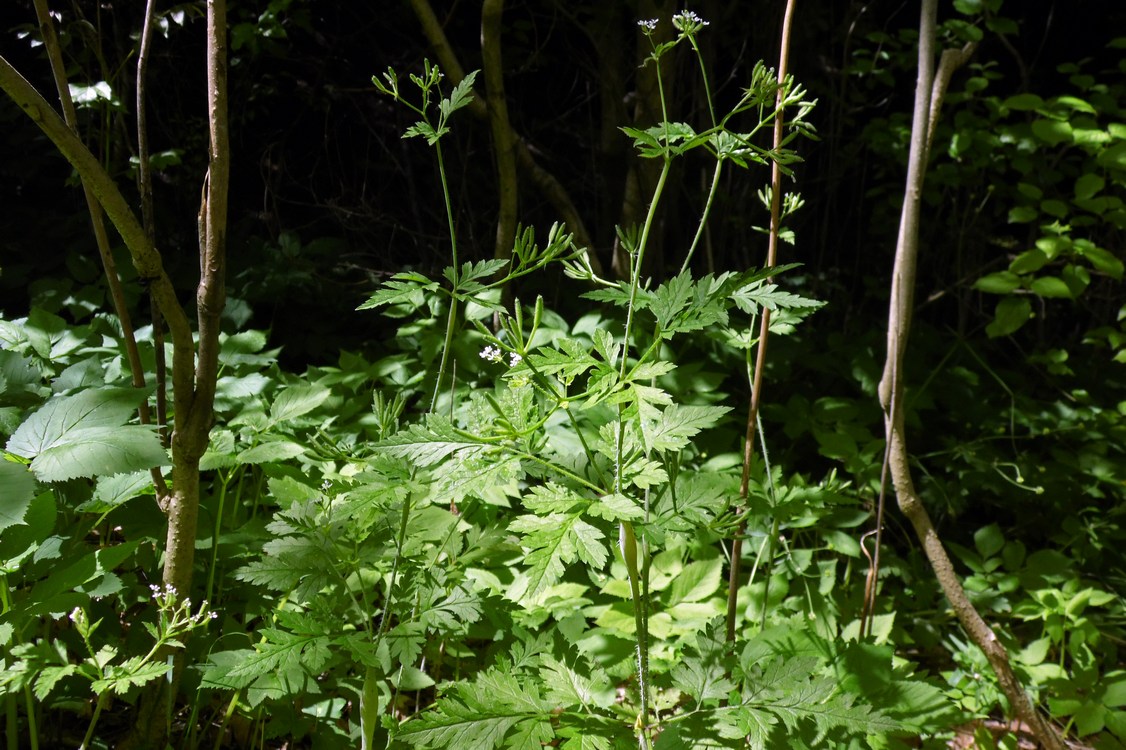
[927, 100]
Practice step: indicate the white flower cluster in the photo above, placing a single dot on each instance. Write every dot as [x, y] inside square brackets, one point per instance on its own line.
[166, 599]
[688, 22]
[648, 26]
[494, 354]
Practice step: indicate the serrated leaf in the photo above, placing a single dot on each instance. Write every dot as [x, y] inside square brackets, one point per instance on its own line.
[567, 688]
[17, 489]
[297, 400]
[131, 674]
[616, 507]
[87, 435]
[696, 581]
[270, 452]
[481, 715]
[758, 295]
[678, 424]
[434, 440]
[553, 542]
[402, 288]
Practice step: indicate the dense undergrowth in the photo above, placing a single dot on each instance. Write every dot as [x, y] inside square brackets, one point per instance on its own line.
[510, 526]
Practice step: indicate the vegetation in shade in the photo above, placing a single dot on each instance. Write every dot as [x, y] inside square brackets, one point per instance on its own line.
[509, 526]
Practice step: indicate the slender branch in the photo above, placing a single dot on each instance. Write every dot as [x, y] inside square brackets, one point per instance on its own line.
[492, 12]
[145, 257]
[144, 185]
[764, 326]
[546, 182]
[891, 395]
[101, 237]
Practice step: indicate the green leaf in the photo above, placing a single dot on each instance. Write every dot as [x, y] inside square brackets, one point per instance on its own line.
[1050, 286]
[271, 452]
[1088, 185]
[758, 294]
[702, 673]
[17, 488]
[696, 581]
[1029, 261]
[482, 714]
[1022, 102]
[409, 289]
[112, 492]
[679, 424]
[1052, 132]
[297, 400]
[461, 96]
[1022, 214]
[86, 435]
[133, 673]
[434, 440]
[989, 540]
[999, 283]
[553, 542]
[1102, 260]
[566, 688]
[1010, 315]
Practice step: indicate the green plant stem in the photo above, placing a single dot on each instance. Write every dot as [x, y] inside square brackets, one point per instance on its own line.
[635, 276]
[32, 724]
[102, 700]
[703, 216]
[451, 319]
[223, 483]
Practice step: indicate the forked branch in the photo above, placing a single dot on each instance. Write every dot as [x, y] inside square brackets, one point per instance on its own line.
[891, 389]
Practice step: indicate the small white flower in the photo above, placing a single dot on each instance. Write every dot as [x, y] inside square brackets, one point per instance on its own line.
[514, 359]
[648, 25]
[491, 353]
[688, 22]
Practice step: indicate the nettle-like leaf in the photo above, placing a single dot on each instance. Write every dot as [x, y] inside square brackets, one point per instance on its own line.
[433, 441]
[555, 541]
[87, 435]
[756, 295]
[17, 489]
[793, 691]
[495, 710]
[406, 290]
[296, 401]
[678, 424]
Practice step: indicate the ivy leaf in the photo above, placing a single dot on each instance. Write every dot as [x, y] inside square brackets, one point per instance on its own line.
[87, 435]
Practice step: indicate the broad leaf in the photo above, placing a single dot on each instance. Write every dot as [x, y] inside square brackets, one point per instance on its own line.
[87, 435]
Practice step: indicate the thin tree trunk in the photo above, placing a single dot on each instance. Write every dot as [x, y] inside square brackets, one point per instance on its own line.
[492, 12]
[891, 391]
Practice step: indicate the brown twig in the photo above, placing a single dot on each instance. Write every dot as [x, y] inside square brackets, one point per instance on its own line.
[891, 397]
[764, 327]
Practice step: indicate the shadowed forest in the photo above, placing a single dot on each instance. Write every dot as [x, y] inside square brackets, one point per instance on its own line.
[563, 374]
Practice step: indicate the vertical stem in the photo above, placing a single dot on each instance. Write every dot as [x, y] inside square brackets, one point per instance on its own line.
[891, 390]
[764, 327]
